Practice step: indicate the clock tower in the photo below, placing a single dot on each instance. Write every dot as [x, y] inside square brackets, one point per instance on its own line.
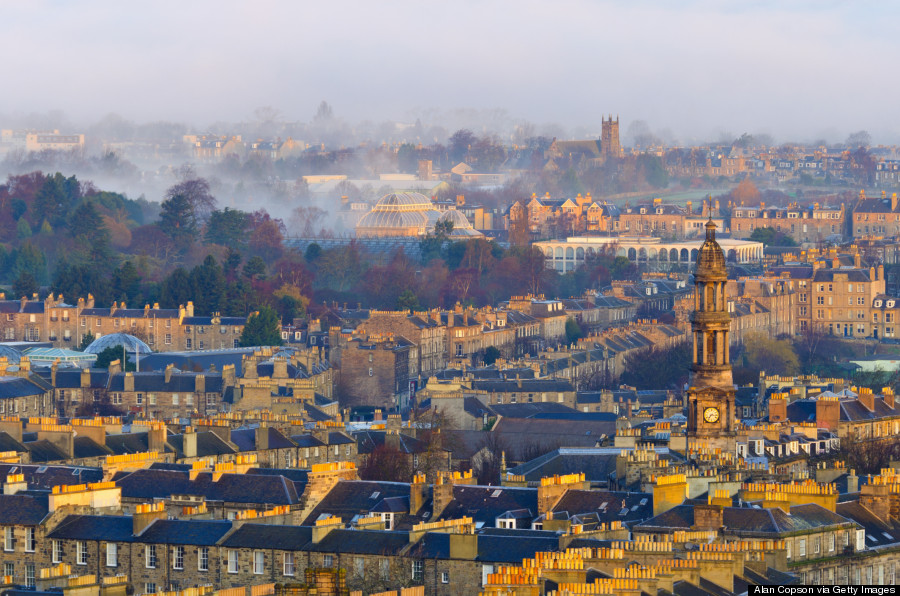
[711, 411]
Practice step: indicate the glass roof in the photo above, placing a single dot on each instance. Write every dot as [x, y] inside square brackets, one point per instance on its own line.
[131, 343]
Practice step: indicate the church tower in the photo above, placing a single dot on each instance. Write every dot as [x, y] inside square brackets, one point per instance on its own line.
[609, 138]
[711, 411]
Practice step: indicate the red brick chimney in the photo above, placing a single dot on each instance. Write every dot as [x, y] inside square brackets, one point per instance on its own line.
[828, 412]
[867, 398]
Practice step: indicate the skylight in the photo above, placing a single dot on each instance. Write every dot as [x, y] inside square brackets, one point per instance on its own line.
[375, 495]
[496, 493]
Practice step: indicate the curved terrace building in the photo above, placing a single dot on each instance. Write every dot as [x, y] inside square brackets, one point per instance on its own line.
[569, 254]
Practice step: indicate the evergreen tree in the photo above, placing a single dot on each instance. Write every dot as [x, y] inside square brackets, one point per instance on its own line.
[178, 221]
[176, 289]
[126, 284]
[86, 340]
[25, 285]
[208, 285]
[227, 227]
[111, 353]
[255, 268]
[262, 329]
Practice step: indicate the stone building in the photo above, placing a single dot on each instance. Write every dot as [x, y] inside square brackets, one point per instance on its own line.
[810, 224]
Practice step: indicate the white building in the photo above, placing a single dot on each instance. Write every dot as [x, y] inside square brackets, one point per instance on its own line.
[569, 254]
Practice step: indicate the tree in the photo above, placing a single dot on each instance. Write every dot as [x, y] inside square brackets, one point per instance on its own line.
[459, 144]
[25, 285]
[408, 301]
[197, 193]
[227, 227]
[86, 340]
[176, 289]
[657, 368]
[386, 463]
[108, 355]
[573, 331]
[262, 329]
[652, 169]
[861, 138]
[488, 461]
[126, 283]
[491, 354]
[208, 286]
[745, 192]
[55, 198]
[867, 455]
[178, 221]
[255, 268]
[771, 237]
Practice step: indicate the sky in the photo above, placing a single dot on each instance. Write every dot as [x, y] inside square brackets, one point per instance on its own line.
[796, 70]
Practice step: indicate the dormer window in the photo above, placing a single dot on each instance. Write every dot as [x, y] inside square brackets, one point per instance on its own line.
[890, 303]
[878, 304]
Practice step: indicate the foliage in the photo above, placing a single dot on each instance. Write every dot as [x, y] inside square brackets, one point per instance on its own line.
[760, 353]
[573, 331]
[658, 368]
[385, 463]
[86, 340]
[770, 237]
[491, 354]
[262, 329]
[110, 354]
[25, 285]
[869, 456]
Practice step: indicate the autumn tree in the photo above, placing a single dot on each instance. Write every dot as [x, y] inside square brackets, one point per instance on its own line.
[745, 193]
[386, 463]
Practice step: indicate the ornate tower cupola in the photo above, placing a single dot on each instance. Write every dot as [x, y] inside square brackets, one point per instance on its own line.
[711, 396]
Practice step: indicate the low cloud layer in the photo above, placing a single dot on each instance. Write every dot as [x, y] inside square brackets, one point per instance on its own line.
[794, 70]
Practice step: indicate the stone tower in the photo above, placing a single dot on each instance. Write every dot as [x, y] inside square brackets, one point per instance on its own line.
[711, 411]
[609, 138]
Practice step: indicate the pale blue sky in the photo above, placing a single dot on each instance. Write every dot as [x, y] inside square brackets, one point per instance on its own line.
[793, 69]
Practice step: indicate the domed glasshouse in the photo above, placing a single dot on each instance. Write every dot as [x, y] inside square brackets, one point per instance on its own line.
[399, 214]
[462, 229]
[131, 343]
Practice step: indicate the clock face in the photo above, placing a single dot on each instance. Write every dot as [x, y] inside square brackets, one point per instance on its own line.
[711, 415]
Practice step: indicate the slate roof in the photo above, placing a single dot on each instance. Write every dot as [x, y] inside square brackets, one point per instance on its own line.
[362, 542]
[527, 385]
[350, 498]
[110, 528]
[13, 387]
[231, 488]
[264, 536]
[20, 510]
[179, 382]
[71, 378]
[208, 444]
[878, 532]
[529, 410]
[754, 521]
[245, 439]
[46, 477]
[607, 505]
[191, 532]
[596, 464]
[483, 506]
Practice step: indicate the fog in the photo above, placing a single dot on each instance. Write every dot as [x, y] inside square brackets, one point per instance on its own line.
[792, 70]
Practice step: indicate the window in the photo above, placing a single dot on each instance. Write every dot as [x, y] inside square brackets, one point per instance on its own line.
[385, 569]
[149, 588]
[150, 556]
[178, 557]
[140, 399]
[9, 542]
[29, 540]
[112, 554]
[259, 562]
[203, 559]
[289, 564]
[328, 561]
[174, 399]
[418, 570]
[187, 344]
[81, 552]
[9, 569]
[168, 338]
[831, 543]
[445, 577]
[29, 575]
[232, 561]
[787, 545]
[817, 545]
[56, 554]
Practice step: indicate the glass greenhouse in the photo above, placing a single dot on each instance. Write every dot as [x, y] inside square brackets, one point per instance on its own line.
[131, 343]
